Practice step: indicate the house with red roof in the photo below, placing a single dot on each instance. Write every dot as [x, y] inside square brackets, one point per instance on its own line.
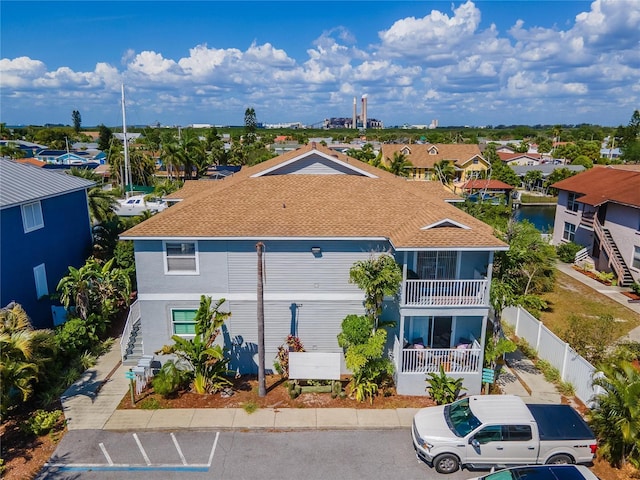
[317, 212]
[600, 210]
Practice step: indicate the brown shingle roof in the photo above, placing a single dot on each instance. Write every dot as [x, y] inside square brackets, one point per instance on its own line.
[419, 154]
[305, 205]
[601, 185]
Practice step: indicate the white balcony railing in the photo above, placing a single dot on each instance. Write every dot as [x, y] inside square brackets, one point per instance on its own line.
[429, 360]
[445, 292]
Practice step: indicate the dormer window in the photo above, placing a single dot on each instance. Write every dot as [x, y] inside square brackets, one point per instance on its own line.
[433, 151]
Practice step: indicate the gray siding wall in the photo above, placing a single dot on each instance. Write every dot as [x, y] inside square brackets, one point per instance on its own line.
[304, 294]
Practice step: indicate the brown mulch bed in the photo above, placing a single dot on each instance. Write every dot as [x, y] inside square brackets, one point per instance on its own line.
[632, 296]
[245, 394]
[24, 454]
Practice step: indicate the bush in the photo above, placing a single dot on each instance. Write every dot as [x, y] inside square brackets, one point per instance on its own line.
[42, 422]
[356, 330]
[170, 379]
[443, 389]
[75, 336]
[635, 288]
[567, 251]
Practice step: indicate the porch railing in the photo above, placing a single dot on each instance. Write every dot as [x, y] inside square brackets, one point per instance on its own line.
[445, 292]
[134, 315]
[429, 360]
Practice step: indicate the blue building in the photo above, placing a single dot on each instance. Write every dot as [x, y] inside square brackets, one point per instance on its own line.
[45, 227]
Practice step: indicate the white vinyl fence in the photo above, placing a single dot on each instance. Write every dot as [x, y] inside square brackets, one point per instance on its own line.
[572, 367]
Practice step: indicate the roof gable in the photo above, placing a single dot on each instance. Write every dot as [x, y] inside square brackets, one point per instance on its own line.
[445, 222]
[314, 162]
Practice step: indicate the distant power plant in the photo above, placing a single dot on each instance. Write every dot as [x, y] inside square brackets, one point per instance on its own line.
[356, 121]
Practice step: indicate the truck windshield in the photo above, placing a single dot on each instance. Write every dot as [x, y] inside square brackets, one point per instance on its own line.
[460, 419]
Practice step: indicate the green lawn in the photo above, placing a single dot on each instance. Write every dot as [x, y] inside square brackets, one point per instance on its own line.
[525, 198]
[573, 297]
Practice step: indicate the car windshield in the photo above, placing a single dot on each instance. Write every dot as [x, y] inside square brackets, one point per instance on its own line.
[547, 472]
[460, 418]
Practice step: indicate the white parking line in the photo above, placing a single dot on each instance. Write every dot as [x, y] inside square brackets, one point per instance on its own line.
[213, 449]
[175, 442]
[104, 452]
[144, 454]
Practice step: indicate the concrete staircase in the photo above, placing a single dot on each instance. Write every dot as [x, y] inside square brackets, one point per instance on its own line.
[133, 351]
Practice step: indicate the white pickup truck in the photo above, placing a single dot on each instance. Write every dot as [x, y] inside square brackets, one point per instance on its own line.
[484, 431]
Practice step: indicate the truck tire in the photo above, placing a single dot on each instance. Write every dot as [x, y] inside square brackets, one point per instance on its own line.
[560, 459]
[446, 463]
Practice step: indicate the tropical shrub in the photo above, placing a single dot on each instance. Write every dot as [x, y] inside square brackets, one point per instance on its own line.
[281, 364]
[41, 422]
[356, 330]
[567, 251]
[635, 288]
[443, 389]
[75, 336]
[169, 379]
[206, 361]
[616, 416]
[24, 354]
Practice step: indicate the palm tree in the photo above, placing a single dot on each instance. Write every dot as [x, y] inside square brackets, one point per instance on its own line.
[102, 203]
[400, 165]
[23, 353]
[445, 171]
[616, 419]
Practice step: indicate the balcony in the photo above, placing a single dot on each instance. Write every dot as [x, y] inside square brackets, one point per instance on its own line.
[450, 293]
[429, 360]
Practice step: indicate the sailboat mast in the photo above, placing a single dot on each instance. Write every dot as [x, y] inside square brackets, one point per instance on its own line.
[127, 167]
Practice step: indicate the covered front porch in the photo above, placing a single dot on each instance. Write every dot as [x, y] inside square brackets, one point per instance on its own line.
[427, 343]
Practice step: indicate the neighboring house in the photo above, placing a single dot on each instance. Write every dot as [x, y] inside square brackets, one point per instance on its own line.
[520, 159]
[466, 159]
[44, 228]
[318, 212]
[545, 170]
[496, 191]
[600, 210]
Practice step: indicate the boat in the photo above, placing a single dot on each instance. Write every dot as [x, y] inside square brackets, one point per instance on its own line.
[138, 204]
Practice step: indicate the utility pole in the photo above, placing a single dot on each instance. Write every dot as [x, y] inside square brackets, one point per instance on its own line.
[262, 386]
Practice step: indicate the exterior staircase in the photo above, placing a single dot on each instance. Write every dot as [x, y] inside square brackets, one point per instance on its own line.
[133, 352]
[131, 349]
[616, 260]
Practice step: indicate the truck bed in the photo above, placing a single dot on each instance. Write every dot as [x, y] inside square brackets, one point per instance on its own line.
[560, 422]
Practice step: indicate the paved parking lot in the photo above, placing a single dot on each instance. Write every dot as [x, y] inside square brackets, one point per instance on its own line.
[235, 455]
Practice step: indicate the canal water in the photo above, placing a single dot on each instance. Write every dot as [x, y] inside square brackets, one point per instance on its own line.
[541, 216]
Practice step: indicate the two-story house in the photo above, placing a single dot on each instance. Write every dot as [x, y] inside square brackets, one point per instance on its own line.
[317, 212]
[600, 210]
[44, 228]
[466, 159]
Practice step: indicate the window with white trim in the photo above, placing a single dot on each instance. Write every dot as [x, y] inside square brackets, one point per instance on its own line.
[183, 321]
[569, 232]
[635, 262]
[572, 202]
[32, 216]
[40, 277]
[181, 257]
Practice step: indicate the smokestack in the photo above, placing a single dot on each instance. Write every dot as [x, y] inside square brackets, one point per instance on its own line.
[364, 111]
[355, 113]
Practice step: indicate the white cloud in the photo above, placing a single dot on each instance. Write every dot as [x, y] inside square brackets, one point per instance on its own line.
[442, 64]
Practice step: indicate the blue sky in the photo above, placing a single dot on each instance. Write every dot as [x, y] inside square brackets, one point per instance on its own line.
[463, 63]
